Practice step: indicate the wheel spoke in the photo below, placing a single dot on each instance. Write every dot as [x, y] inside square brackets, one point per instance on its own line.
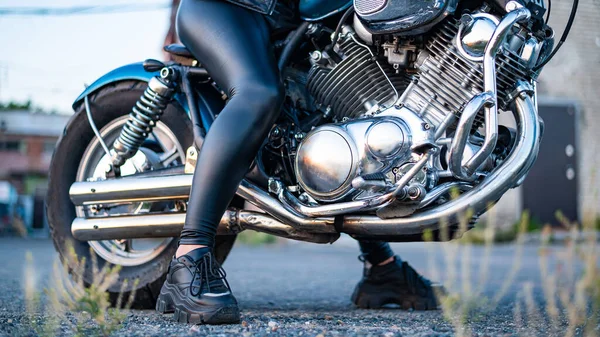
[159, 141]
[164, 151]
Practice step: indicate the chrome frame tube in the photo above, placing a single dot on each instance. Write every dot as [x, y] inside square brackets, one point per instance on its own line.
[463, 130]
[530, 104]
[442, 189]
[489, 84]
[448, 120]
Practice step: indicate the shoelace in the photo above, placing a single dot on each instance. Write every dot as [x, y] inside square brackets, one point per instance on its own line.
[208, 269]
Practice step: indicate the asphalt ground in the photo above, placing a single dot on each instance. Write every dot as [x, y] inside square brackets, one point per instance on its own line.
[295, 289]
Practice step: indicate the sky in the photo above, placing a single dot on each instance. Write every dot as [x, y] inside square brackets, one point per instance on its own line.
[48, 59]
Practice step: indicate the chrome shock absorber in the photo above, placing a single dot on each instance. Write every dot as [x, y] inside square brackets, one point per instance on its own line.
[143, 117]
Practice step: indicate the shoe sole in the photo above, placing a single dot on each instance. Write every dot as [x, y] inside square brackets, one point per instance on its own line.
[406, 301]
[165, 304]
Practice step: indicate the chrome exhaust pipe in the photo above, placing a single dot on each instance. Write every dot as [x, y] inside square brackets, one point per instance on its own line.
[174, 187]
[177, 187]
[128, 227]
[170, 225]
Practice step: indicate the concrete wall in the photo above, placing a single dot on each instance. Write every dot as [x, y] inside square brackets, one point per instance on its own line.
[574, 73]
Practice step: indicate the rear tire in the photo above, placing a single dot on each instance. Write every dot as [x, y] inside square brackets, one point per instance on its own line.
[108, 104]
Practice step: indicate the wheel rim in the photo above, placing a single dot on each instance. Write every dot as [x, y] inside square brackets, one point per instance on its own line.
[166, 151]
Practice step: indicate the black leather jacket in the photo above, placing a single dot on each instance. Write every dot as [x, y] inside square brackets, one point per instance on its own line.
[261, 6]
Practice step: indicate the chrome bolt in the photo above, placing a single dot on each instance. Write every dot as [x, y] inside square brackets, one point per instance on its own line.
[316, 55]
[414, 192]
[466, 19]
[512, 5]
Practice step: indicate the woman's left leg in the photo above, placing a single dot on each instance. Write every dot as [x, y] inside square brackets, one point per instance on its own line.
[375, 252]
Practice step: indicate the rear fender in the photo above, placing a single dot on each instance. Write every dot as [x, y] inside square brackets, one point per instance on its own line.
[209, 102]
[134, 71]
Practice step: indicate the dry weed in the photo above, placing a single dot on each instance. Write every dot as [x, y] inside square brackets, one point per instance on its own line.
[569, 273]
[71, 305]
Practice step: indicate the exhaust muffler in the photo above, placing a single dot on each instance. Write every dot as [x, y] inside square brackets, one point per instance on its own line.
[170, 225]
[173, 187]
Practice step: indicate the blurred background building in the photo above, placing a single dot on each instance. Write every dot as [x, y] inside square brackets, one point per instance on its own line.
[27, 140]
[566, 173]
[68, 43]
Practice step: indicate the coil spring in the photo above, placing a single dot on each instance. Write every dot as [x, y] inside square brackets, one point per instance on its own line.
[142, 119]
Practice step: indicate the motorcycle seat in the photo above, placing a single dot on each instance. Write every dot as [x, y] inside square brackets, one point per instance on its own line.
[179, 50]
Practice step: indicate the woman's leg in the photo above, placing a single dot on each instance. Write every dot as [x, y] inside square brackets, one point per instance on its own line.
[376, 252]
[233, 44]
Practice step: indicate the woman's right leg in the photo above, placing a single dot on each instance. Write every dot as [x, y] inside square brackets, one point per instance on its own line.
[232, 43]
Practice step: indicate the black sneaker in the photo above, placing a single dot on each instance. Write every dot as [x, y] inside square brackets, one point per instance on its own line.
[395, 283]
[197, 292]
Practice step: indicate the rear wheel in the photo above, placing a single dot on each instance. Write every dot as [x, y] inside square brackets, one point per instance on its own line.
[80, 157]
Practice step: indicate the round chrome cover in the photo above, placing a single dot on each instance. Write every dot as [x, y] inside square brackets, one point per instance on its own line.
[474, 33]
[326, 162]
[385, 139]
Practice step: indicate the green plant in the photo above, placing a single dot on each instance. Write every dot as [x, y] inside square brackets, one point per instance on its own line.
[15, 106]
[85, 308]
[253, 238]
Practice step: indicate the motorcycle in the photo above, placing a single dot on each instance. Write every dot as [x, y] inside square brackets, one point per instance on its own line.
[389, 129]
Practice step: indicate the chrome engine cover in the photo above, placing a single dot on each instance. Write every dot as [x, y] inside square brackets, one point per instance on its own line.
[332, 155]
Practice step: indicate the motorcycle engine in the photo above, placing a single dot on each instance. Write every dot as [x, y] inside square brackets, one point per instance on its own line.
[383, 118]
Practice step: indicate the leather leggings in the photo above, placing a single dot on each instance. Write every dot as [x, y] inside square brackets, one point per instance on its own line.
[233, 44]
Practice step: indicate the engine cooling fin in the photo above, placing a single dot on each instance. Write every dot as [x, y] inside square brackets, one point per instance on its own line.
[353, 82]
[447, 80]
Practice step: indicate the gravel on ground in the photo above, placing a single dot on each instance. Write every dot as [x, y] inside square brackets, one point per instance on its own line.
[297, 289]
